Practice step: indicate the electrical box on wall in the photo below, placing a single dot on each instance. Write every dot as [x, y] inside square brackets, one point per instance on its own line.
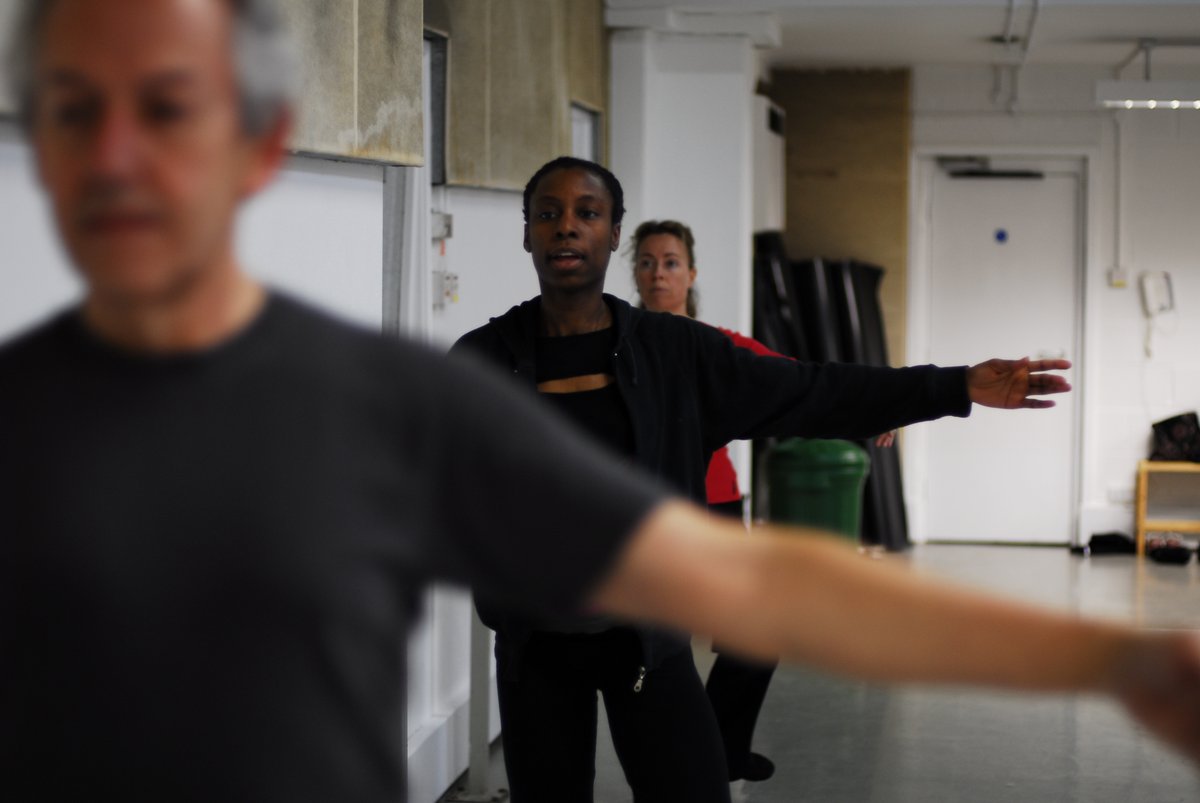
[769, 186]
[445, 289]
[441, 225]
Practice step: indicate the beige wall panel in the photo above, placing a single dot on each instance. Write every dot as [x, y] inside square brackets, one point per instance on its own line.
[587, 52]
[7, 22]
[848, 141]
[437, 16]
[467, 125]
[514, 68]
[390, 102]
[529, 107]
[324, 34]
[359, 98]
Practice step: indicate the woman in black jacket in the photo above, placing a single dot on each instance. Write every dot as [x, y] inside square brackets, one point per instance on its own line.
[666, 392]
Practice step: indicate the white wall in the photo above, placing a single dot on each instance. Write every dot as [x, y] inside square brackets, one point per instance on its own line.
[35, 277]
[316, 232]
[682, 146]
[485, 252]
[1122, 391]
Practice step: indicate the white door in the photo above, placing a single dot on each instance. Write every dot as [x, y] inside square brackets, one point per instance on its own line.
[1005, 259]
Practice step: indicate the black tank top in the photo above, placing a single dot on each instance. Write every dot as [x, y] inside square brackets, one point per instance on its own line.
[601, 412]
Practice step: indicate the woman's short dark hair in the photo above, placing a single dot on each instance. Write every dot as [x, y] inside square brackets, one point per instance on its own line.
[574, 163]
[681, 231]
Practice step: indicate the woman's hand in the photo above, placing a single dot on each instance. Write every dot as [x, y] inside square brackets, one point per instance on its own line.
[1010, 384]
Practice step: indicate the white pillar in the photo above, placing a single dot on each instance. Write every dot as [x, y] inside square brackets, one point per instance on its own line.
[682, 146]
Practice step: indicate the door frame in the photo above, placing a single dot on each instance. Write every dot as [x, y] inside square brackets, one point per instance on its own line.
[922, 169]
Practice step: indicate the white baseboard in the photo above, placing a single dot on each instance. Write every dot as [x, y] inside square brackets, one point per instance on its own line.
[1103, 518]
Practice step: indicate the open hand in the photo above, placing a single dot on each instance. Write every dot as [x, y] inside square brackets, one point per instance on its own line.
[1010, 384]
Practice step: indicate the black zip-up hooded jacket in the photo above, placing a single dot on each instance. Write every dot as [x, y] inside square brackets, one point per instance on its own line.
[689, 391]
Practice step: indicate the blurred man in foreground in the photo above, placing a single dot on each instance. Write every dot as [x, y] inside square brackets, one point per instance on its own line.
[218, 505]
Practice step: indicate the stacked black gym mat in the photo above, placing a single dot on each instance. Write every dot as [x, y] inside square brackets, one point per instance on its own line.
[828, 311]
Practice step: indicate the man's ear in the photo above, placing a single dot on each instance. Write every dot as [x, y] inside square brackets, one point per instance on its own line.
[616, 238]
[525, 241]
[266, 155]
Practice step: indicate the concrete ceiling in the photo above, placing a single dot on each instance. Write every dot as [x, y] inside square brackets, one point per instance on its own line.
[894, 33]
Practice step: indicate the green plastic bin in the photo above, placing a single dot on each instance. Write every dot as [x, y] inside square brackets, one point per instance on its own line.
[818, 483]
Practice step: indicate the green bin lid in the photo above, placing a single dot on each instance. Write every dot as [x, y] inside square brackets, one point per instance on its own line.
[814, 451]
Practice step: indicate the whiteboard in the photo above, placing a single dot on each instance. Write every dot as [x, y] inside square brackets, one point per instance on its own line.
[317, 232]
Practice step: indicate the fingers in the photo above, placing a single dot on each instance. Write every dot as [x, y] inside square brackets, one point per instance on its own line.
[1045, 384]
[1049, 365]
[998, 367]
[1033, 366]
[1010, 384]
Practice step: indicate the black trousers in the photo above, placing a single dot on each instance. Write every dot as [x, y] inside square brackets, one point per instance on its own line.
[665, 735]
[737, 687]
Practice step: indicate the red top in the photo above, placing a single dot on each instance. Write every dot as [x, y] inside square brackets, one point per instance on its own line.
[721, 484]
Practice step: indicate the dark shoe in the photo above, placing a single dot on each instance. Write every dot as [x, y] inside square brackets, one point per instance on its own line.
[1168, 550]
[756, 768]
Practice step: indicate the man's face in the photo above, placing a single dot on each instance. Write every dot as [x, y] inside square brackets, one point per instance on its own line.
[570, 232]
[138, 141]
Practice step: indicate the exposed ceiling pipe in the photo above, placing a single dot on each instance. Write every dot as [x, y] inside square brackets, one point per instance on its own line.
[1137, 49]
[1006, 40]
[1008, 22]
[1025, 45]
[1144, 47]
[1033, 18]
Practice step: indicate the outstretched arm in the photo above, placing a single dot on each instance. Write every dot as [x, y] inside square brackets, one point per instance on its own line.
[812, 600]
[1010, 384]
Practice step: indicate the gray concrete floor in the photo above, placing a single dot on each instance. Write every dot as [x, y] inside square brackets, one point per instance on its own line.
[834, 740]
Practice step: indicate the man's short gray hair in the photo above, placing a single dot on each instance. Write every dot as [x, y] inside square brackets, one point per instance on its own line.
[265, 65]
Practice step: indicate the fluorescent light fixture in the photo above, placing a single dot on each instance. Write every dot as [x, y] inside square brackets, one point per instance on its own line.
[1148, 94]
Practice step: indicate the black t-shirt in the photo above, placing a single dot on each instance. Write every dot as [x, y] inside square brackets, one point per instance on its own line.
[208, 563]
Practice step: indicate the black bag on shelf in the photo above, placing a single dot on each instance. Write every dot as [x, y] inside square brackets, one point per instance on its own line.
[1177, 438]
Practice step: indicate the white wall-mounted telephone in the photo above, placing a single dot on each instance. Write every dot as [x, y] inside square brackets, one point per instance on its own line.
[1157, 294]
[1158, 298]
